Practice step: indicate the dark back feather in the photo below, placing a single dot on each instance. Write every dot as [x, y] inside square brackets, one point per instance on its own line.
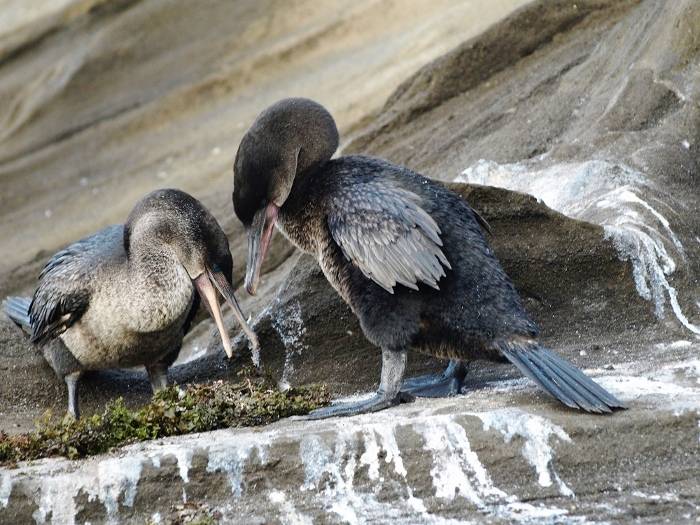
[385, 232]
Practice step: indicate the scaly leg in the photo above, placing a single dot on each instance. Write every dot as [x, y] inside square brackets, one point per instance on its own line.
[448, 383]
[389, 393]
[73, 402]
[158, 375]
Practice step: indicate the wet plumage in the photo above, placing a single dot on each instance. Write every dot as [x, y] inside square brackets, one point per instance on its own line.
[408, 255]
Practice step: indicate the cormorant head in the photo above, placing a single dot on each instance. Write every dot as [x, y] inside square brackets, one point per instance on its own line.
[287, 140]
[172, 222]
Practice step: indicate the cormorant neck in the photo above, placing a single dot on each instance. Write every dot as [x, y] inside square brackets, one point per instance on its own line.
[164, 289]
[156, 266]
[304, 183]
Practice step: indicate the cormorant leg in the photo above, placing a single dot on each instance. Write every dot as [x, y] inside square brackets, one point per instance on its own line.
[448, 383]
[388, 394]
[73, 402]
[158, 375]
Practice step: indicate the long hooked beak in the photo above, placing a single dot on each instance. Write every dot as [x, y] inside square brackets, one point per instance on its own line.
[205, 284]
[259, 237]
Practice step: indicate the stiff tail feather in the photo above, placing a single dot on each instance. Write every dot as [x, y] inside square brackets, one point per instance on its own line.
[560, 378]
[17, 309]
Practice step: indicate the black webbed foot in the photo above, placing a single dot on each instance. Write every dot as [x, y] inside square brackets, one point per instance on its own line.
[374, 404]
[389, 393]
[448, 383]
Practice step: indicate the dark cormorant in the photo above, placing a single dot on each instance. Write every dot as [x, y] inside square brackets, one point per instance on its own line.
[125, 296]
[408, 256]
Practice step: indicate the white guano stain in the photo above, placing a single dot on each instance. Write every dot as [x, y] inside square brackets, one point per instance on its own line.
[155, 460]
[330, 472]
[232, 460]
[184, 461]
[255, 352]
[113, 480]
[380, 440]
[675, 345]
[5, 488]
[118, 476]
[288, 514]
[183, 457]
[289, 325]
[536, 432]
[105, 481]
[457, 470]
[349, 464]
[56, 500]
[370, 457]
[182, 454]
[314, 454]
[675, 387]
[527, 513]
[685, 373]
[330, 475]
[607, 194]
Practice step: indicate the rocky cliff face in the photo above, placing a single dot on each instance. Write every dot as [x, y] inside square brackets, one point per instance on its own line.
[591, 107]
[104, 101]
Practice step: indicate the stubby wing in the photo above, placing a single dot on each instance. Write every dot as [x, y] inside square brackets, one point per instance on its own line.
[383, 230]
[60, 298]
[62, 295]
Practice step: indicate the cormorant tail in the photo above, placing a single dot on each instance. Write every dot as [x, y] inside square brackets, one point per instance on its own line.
[17, 309]
[559, 378]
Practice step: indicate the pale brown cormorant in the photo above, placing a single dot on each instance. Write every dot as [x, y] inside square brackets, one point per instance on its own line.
[125, 296]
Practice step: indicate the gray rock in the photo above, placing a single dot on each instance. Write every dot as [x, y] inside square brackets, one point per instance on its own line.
[498, 455]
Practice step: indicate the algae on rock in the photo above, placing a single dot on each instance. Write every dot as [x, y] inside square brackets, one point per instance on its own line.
[199, 408]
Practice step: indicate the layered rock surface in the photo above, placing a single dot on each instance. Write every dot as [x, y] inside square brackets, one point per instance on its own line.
[590, 106]
[501, 454]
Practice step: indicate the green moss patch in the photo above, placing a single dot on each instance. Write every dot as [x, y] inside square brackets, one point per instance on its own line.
[199, 408]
